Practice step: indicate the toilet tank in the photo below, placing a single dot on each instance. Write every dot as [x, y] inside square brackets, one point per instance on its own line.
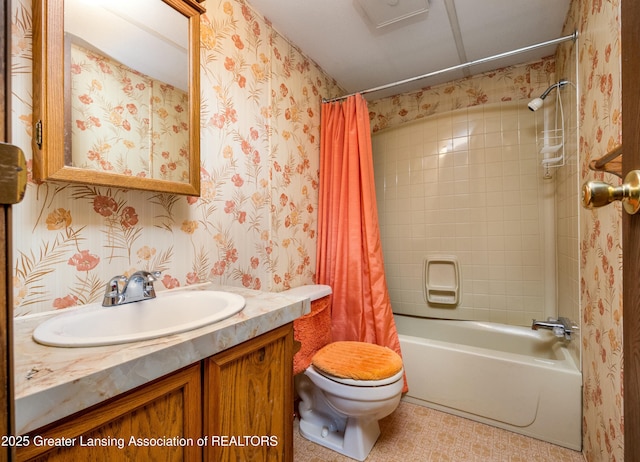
[313, 330]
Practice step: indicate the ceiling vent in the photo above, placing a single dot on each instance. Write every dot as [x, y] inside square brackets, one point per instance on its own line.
[383, 13]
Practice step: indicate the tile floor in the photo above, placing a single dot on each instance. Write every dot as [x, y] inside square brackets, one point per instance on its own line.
[419, 434]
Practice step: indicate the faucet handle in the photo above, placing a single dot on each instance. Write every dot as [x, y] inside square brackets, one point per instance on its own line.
[150, 277]
[113, 286]
[154, 275]
[112, 292]
[149, 290]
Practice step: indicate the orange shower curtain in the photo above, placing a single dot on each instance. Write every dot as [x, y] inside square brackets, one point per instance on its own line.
[349, 249]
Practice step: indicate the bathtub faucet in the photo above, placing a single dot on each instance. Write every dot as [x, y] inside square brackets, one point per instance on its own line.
[561, 327]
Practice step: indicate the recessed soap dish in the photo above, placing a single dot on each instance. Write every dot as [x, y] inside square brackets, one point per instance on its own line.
[442, 280]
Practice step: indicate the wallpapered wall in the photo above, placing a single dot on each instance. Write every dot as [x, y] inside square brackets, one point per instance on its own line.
[598, 23]
[255, 223]
[508, 84]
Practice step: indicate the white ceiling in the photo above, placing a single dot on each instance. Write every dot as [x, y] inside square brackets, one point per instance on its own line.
[337, 36]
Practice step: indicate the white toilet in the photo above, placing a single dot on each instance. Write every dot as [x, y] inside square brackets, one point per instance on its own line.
[342, 413]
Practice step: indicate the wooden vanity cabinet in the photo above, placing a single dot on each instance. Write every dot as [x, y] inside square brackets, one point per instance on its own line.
[169, 406]
[248, 396]
[240, 400]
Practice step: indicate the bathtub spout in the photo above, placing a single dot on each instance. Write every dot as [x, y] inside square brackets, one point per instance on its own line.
[561, 327]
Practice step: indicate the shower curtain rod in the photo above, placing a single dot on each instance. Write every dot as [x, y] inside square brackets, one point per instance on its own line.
[573, 37]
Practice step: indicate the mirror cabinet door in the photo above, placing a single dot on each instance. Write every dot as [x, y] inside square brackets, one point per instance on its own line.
[116, 93]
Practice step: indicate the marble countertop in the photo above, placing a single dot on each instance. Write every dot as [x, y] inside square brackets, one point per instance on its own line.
[52, 383]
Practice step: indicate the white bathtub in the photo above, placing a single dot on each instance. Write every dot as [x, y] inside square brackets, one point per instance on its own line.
[511, 377]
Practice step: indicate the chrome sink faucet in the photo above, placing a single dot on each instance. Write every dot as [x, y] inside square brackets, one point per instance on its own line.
[561, 327]
[139, 286]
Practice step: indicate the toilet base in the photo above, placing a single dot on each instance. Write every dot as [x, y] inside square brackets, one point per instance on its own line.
[355, 438]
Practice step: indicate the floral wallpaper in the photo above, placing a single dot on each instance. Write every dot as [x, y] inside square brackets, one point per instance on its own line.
[598, 25]
[255, 222]
[507, 84]
[125, 122]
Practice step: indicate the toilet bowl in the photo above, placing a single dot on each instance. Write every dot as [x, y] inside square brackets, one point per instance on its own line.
[342, 413]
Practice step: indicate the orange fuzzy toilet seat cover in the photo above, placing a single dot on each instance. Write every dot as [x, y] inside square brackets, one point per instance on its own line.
[357, 360]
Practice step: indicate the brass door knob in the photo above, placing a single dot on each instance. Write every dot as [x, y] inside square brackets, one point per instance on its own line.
[598, 193]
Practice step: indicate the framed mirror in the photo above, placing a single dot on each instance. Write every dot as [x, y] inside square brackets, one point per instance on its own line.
[116, 93]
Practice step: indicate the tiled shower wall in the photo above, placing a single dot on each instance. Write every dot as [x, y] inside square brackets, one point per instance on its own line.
[468, 183]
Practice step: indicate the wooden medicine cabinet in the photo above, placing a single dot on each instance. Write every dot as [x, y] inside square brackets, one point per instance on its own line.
[116, 93]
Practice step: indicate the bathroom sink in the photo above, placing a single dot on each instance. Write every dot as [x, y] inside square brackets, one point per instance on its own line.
[95, 325]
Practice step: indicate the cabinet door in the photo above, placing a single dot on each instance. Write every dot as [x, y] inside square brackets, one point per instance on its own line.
[168, 408]
[249, 400]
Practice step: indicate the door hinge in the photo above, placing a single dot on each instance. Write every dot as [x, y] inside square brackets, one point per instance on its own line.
[13, 174]
[38, 134]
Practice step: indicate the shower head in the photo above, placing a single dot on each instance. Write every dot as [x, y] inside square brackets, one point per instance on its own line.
[536, 103]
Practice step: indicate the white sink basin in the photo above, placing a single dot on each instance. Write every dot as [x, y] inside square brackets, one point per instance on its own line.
[95, 325]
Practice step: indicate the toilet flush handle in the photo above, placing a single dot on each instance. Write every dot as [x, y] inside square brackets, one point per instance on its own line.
[598, 193]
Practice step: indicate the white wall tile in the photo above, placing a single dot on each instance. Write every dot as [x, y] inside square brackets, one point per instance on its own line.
[467, 184]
